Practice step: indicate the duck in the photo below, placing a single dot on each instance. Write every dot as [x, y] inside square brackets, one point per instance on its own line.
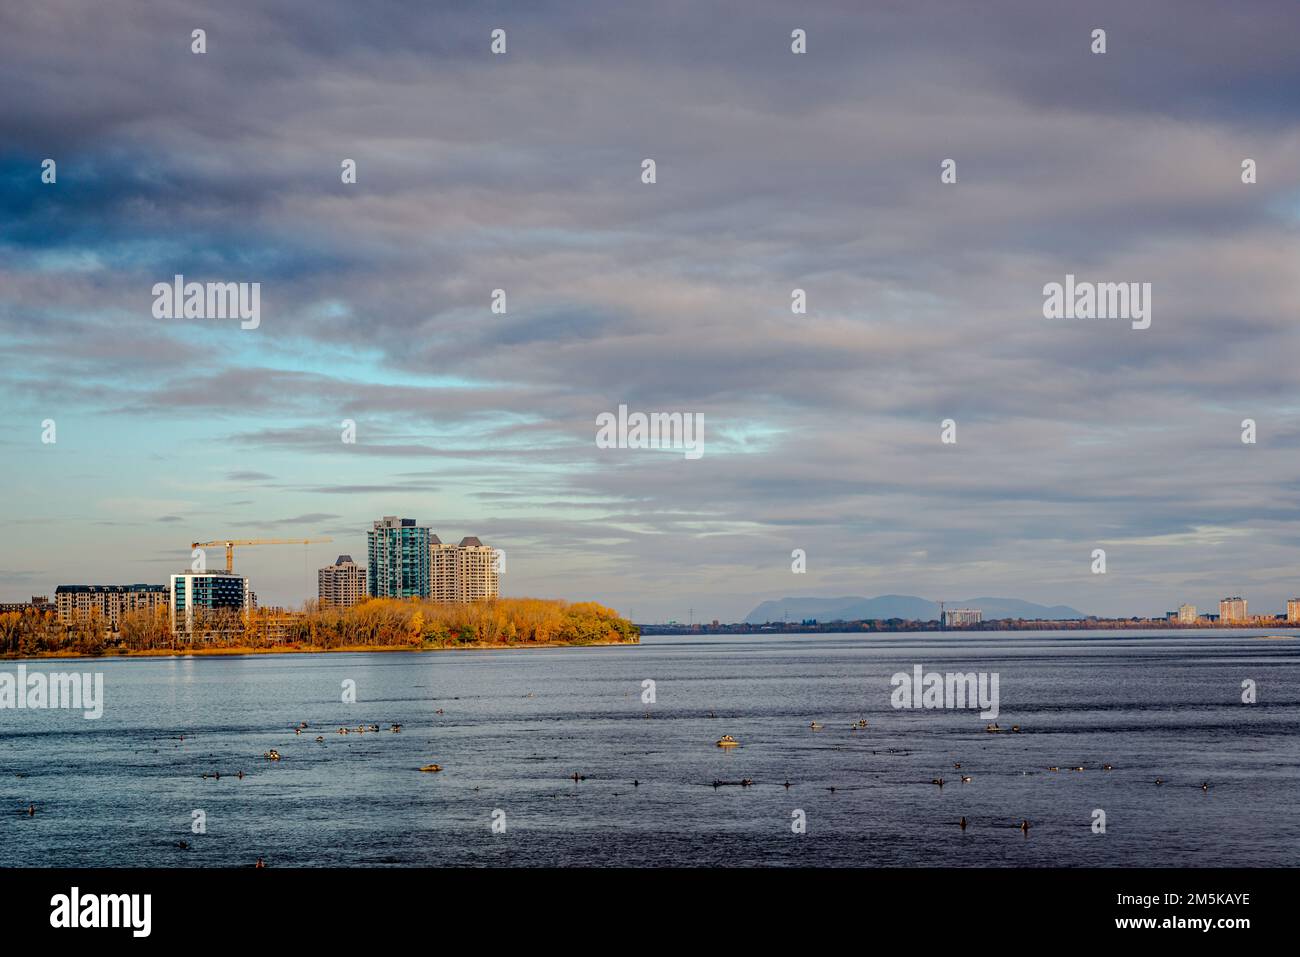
[578, 777]
[272, 755]
[938, 781]
[260, 863]
[1079, 768]
[965, 779]
[1053, 768]
[432, 767]
[297, 730]
[1205, 785]
[1106, 767]
[1160, 780]
[815, 726]
[957, 766]
[1015, 729]
[31, 810]
[992, 729]
[396, 729]
[962, 823]
[1024, 826]
[374, 727]
[320, 738]
[183, 845]
[727, 741]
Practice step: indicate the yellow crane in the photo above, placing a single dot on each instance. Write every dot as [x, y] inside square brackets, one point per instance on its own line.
[230, 544]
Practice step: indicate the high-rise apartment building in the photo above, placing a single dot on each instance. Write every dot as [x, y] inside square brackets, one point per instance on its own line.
[342, 584]
[198, 594]
[1186, 614]
[107, 602]
[465, 572]
[1293, 609]
[959, 617]
[399, 558]
[1232, 609]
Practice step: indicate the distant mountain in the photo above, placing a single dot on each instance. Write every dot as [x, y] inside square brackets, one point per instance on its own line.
[899, 606]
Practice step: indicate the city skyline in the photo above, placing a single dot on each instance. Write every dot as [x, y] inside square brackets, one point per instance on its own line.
[819, 172]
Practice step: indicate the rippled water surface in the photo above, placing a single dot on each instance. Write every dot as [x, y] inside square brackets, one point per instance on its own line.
[516, 724]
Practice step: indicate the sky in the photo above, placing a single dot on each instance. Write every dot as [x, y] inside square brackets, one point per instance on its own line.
[774, 171]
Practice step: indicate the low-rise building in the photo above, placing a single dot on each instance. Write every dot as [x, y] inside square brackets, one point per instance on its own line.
[108, 603]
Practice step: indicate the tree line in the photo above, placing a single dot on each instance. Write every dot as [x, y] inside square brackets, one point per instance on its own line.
[377, 622]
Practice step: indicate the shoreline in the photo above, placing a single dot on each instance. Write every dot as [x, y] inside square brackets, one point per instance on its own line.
[246, 651]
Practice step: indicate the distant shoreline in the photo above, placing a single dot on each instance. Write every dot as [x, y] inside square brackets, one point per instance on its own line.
[235, 651]
[899, 626]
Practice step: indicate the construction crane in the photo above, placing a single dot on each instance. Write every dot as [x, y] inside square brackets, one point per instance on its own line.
[230, 544]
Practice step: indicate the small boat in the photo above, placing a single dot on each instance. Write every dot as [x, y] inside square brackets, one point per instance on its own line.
[432, 767]
[727, 741]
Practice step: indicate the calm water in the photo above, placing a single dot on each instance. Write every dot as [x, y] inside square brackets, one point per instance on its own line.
[515, 725]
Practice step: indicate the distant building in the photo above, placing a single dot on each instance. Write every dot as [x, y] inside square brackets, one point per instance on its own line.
[960, 617]
[196, 593]
[1293, 609]
[399, 558]
[38, 603]
[1187, 613]
[463, 573]
[342, 584]
[106, 602]
[1232, 609]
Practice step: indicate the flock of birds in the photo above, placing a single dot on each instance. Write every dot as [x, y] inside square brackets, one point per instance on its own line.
[725, 742]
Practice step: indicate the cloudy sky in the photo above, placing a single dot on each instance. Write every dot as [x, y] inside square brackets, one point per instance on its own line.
[775, 171]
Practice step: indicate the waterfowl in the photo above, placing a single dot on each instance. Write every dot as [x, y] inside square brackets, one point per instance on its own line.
[1106, 767]
[1024, 826]
[1160, 780]
[439, 711]
[636, 784]
[396, 728]
[992, 729]
[746, 782]
[815, 726]
[183, 845]
[297, 730]
[1079, 768]
[1015, 729]
[240, 775]
[965, 779]
[31, 810]
[1053, 768]
[962, 823]
[260, 863]
[272, 755]
[938, 781]
[432, 767]
[1205, 785]
[578, 777]
[787, 785]
[320, 738]
[343, 730]
[957, 766]
[727, 741]
[374, 727]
